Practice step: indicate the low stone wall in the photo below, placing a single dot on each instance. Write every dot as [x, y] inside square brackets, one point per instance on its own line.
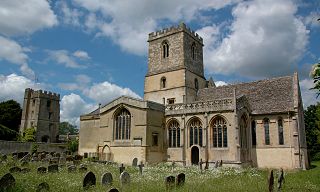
[8, 147]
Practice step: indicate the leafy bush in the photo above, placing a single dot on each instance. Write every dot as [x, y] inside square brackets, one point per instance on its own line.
[73, 145]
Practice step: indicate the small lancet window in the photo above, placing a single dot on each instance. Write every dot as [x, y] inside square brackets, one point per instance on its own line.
[165, 50]
[280, 131]
[163, 82]
[266, 131]
[196, 84]
[193, 51]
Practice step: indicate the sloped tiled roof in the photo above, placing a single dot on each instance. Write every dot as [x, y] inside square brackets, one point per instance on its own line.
[264, 96]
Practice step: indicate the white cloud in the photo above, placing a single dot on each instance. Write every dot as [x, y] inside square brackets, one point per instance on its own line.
[69, 16]
[105, 92]
[65, 58]
[129, 27]
[14, 53]
[308, 96]
[72, 106]
[312, 19]
[265, 39]
[220, 83]
[81, 54]
[13, 87]
[18, 18]
[81, 82]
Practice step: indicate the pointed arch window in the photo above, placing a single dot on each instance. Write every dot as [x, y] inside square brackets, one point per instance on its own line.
[266, 131]
[193, 51]
[163, 82]
[122, 125]
[243, 132]
[280, 131]
[254, 133]
[165, 49]
[195, 132]
[219, 132]
[174, 134]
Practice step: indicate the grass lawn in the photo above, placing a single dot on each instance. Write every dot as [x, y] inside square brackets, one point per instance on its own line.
[221, 179]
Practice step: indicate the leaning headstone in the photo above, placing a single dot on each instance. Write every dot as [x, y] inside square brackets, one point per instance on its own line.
[42, 170]
[270, 181]
[121, 168]
[280, 179]
[181, 178]
[135, 162]
[7, 182]
[170, 182]
[72, 168]
[43, 187]
[53, 168]
[83, 168]
[25, 170]
[114, 190]
[106, 179]
[15, 169]
[124, 178]
[89, 180]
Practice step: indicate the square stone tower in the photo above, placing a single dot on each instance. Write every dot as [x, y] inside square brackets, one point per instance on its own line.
[175, 66]
[41, 110]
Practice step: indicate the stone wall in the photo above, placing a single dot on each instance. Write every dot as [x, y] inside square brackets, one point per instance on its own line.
[8, 147]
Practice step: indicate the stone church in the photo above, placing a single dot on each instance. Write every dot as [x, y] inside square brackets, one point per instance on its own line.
[187, 119]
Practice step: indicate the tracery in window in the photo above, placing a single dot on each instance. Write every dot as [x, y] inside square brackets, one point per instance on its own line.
[195, 132]
[219, 132]
[174, 134]
[122, 125]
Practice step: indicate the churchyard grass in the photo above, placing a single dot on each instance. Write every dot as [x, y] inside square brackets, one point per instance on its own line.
[152, 179]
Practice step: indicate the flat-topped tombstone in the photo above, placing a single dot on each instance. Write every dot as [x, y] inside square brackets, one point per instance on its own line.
[7, 182]
[15, 169]
[25, 170]
[124, 178]
[72, 168]
[53, 168]
[170, 182]
[43, 187]
[134, 162]
[114, 190]
[42, 170]
[106, 179]
[89, 180]
[181, 178]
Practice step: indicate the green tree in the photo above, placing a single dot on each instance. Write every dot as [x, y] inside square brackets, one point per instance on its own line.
[10, 119]
[65, 128]
[73, 145]
[315, 74]
[312, 126]
[29, 135]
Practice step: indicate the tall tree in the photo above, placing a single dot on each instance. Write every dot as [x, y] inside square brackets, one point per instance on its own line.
[10, 119]
[315, 74]
[312, 126]
[65, 128]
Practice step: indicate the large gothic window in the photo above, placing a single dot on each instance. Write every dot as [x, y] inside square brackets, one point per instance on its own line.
[174, 134]
[122, 125]
[266, 131]
[195, 132]
[219, 132]
[280, 131]
[243, 132]
[165, 49]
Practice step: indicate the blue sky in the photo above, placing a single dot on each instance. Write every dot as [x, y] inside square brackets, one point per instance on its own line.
[93, 51]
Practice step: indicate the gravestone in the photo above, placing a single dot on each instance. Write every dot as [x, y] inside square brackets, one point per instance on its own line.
[280, 179]
[25, 170]
[121, 168]
[89, 180]
[53, 168]
[15, 169]
[83, 168]
[42, 170]
[134, 162]
[181, 178]
[106, 179]
[141, 165]
[62, 160]
[85, 155]
[114, 190]
[15, 157]
[124, 178]
[170, 182]
[43, 187]
[72, 168]
[220, 165]
[206, 167]
[20, 155]
[216, 164]
[24, 164]
[270, 181]
[7, 182]
[26, 158]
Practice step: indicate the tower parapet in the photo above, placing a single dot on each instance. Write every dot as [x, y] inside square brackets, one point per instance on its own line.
[174, 29]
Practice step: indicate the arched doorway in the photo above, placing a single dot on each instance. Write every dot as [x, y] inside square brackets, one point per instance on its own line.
[195, 155]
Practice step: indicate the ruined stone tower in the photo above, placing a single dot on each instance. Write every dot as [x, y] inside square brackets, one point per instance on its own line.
[41, 110]
[175, 66]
